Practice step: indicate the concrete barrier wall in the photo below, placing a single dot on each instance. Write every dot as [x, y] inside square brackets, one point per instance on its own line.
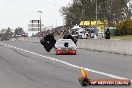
[115, 46]
[29, 39]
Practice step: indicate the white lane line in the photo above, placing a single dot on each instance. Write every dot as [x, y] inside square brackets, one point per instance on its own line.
[66, 63]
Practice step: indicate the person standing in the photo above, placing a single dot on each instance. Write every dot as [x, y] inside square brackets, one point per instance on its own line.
[107, 34]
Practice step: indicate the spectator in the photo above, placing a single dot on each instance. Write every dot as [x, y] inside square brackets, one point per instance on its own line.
[107, 34]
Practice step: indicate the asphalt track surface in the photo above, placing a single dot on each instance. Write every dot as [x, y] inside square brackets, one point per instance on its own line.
[28, 65]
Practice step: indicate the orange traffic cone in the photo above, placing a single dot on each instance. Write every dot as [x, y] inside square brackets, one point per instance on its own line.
[84, 74]
[84, 81]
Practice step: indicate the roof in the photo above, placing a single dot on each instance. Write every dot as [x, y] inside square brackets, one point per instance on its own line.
[76, 27]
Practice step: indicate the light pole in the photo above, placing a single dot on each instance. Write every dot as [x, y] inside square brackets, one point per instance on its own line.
[82, 14]
[96, 14]
[40, 22]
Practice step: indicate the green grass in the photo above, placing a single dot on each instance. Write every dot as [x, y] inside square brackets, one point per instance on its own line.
[125, 37]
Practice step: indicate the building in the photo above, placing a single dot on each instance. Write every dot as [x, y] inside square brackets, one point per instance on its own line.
[34, 27]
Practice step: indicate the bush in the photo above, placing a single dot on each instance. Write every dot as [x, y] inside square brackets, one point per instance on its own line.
[125, 27]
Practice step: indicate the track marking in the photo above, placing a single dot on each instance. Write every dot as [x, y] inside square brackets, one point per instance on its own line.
[66, 63]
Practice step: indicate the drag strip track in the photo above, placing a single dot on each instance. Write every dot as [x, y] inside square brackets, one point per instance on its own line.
[56, 60]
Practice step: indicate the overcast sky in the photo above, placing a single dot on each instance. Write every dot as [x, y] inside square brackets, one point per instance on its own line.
[14, 13]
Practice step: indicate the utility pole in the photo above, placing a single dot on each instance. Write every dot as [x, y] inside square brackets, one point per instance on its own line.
[40, 23]
[82, 14]
[96, 13]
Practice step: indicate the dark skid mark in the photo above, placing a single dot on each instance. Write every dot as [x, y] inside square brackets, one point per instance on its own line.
[9, 66]
[18, 52]
[3, 60]
[46, 53]
[54, 65]
[1, 45]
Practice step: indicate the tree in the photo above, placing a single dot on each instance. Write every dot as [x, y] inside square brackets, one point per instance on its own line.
[6, 34]
[111, 10]
[72, 14]
[18, 31]
[125, 27]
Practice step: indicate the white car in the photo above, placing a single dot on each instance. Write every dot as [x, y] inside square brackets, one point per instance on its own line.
[100, 34]
[82, 34]
[65, 46]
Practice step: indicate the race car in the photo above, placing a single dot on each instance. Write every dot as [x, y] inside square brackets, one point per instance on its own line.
[65, 46]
